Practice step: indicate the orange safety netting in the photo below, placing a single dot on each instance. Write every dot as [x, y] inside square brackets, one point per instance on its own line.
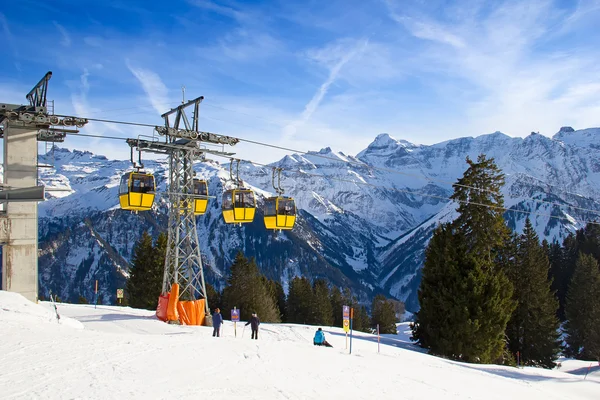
[172, 314]
[191, 312]
[187, 312]
[161, 309]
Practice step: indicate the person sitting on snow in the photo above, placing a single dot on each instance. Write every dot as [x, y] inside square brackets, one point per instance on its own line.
[319, 339]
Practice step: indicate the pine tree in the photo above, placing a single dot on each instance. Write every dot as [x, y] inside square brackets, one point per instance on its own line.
[337, 302]
[247, 291]
[321, 303]
[533, 328]
[214, 298]
[465, 296]
[300, 302]
[583, 310]
[280, 299]
[146, 273]
[361, 321]
[480, 208]
[383, 314]
[275, 290]
[562, 271]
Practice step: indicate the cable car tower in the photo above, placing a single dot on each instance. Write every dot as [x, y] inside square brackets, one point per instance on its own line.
[184, 145]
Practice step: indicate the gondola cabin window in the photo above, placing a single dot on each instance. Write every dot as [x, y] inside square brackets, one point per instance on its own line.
[227, 200]
[270, 206]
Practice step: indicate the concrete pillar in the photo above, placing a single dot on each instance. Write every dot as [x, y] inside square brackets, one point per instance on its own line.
[19, 251]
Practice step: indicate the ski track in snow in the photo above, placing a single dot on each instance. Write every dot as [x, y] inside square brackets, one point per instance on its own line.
[128, 353]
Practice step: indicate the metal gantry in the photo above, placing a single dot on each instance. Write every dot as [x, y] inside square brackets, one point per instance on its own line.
[183, 145]
[21, 127]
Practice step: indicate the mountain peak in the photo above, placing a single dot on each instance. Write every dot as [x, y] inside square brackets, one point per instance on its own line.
[566, 129]
[383, 139]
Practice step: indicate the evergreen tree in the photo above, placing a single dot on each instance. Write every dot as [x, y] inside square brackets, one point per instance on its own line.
[337, 302]
[583, 310]
[321, 304]
[383, 314]
[214, 298]
[465, 296]
[247, 291]
[145, 275]
[280, 299]
[562, 270]
[480, 207]
[533, 328]
[300, 302]
[361, 321]
[276, 291]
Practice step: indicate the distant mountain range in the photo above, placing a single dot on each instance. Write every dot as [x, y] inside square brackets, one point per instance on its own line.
[364, 221]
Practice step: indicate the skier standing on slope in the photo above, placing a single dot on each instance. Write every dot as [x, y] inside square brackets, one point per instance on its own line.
[254, 322]
[217, 321]
[319, 339]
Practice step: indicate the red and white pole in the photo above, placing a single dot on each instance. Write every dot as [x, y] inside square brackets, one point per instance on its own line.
[378, 345]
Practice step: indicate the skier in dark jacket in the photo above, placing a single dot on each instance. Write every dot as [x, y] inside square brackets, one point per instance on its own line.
[319, 339]
[217, 321]
[254, 322]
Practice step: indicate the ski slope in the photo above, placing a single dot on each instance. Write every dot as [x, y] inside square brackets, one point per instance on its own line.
[114, 352]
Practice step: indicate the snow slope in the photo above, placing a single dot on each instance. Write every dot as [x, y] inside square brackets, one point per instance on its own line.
[127, 353]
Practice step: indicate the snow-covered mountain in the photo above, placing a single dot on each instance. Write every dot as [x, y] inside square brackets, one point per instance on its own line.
[364, 220]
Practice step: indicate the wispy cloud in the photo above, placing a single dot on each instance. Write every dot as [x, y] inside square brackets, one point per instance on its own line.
[153, 86]
[243, 45]
[220, 9]
[66, 38]
[428, 31]
[519, 88]
[336, 59]
[10, 40]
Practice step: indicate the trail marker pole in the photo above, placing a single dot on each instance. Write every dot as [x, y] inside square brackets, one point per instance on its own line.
[351, 318]
[96, 292]
[120, 294]
[235, 317]
[378, 346]
[346, 321]
[588, 371]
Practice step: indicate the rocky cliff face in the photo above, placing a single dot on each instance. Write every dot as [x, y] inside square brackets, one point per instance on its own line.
[364, 221]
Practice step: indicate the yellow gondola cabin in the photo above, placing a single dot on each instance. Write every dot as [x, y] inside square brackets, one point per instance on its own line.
[239, 206]
[280, 213]
[200, 189]
[136, 191]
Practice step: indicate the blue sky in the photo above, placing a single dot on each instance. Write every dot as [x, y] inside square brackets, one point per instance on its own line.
[310, 74]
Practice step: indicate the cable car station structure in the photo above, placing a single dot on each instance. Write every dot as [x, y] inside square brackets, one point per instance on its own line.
[21, 127]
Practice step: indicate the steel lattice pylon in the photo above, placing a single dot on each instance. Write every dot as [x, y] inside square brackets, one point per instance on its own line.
[183, 262]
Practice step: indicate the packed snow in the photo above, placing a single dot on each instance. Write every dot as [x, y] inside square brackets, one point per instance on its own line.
[119, 352]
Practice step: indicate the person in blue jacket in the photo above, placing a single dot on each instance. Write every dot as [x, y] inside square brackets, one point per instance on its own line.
[319, 339]
[217, 321]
